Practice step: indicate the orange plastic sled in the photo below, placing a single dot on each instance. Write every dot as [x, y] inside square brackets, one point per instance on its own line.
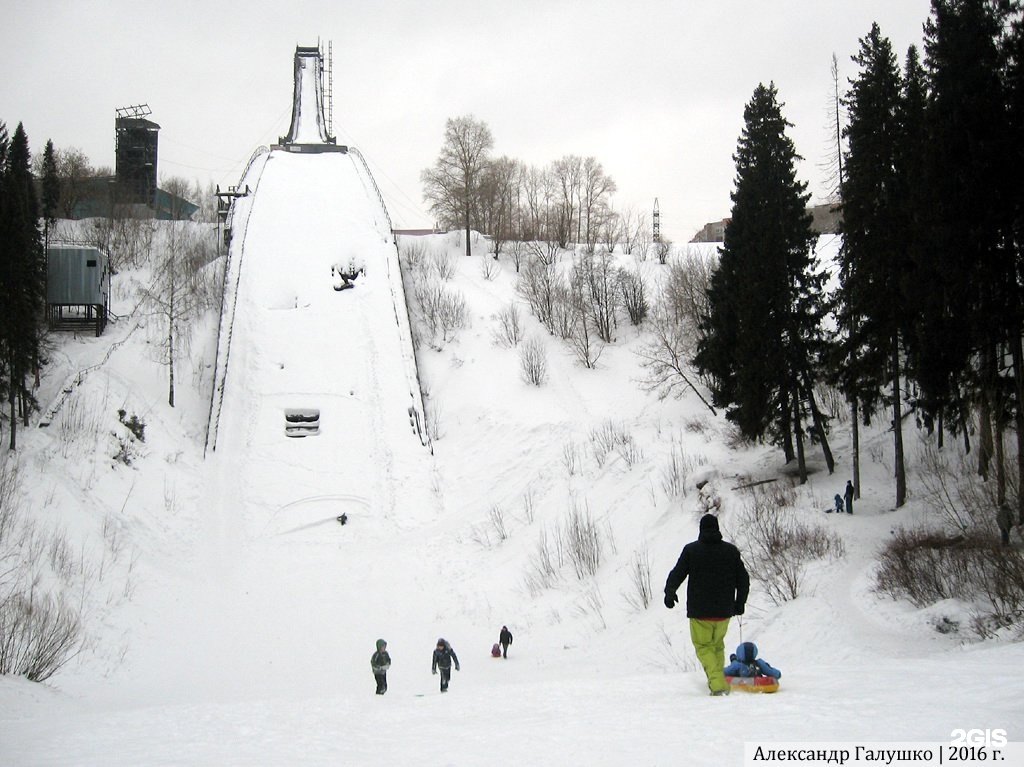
[753, 683]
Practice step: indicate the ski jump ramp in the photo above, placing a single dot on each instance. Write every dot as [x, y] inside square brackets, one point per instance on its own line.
[316, 400]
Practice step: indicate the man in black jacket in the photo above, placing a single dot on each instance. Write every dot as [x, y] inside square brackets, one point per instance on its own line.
[717, 590]
[504, 639]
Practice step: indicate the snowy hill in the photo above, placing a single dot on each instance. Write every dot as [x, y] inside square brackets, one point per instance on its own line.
[233, 628]
[230, 619]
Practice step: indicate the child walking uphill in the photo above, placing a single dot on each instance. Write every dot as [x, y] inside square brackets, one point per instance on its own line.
[443, 658]
[380, 662]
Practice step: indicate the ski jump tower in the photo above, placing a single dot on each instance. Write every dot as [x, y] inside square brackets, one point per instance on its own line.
[316, 382]
[309, 130]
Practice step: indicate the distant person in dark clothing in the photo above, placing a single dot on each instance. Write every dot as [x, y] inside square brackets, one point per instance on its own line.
[848, 495]
[839, 505]
[444, 656]
[1004, 518]
[717, 589]
[380, 662]
[504, 639]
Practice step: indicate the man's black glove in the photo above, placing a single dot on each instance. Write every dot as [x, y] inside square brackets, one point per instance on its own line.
[670, 600]
[737, 609]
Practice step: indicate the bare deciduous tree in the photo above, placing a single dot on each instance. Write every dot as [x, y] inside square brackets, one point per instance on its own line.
[596, 187]
[498, 194]
[537, 284]
[180, 288]
[452, 185]
[568, 177]
[73, 170]
[633, 289]
[595, 282]
[666, 358]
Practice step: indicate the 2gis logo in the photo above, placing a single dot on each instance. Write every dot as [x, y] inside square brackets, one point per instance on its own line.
[987, 738]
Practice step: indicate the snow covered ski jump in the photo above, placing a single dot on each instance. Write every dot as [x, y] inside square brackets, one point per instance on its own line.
[285, 424]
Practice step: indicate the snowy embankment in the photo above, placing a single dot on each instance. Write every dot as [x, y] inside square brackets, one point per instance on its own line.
[229, 631]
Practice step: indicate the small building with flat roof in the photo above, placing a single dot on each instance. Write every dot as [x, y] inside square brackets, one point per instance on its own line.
[77, 287]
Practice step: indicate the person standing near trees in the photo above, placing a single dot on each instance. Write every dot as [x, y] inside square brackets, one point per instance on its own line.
[848, 495]
[1004, 519]
[717, 590]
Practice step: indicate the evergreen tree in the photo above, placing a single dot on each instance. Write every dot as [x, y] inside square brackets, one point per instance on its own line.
[762, 340]
[966, 273]
[50, 191]
[1013, 51]
[874, 253]
[22, 280]
[5, 143]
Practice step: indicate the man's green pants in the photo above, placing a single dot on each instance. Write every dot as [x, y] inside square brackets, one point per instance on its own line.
[709, 642]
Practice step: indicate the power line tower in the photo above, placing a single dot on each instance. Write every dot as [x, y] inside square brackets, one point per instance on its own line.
[656, 221]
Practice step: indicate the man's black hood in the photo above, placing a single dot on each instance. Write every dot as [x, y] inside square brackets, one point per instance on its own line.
[709, 532]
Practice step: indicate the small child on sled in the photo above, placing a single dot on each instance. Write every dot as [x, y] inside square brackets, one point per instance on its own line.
[745, 663]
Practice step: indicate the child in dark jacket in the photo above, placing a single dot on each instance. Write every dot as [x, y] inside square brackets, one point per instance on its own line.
[380, 662]
[746, 663]
[442, 659]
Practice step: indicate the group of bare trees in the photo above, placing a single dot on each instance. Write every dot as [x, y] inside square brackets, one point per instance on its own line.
[567, 201]
[582, 302]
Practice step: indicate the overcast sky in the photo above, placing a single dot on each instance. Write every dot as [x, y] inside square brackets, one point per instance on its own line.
[653, 89]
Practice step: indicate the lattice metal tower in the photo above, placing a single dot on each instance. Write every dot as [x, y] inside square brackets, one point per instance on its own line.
[329, 95]
[135, 154]
[656, 219]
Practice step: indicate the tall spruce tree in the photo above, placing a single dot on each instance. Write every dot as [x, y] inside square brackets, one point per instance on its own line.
[874, 251]
[5, 379]
[1013, 51]
[967, 271]
[50, 186]
[762, 342]
[22, 279]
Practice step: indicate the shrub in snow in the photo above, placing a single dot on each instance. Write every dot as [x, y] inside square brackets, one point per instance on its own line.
[497, 519]
[584, 543]
[509, 330]
[678, 468]
[779, 545]
[39, 631]
[634, 294]
[38, 635]
[443, 265]
[641, 593]
[928, 566]
[489, 268]
[533, 361]
[443, 313]
[571, 458]
[413, 253]
[537, 285]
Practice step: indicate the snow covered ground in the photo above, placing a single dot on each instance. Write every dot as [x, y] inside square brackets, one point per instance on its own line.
[231, 619]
